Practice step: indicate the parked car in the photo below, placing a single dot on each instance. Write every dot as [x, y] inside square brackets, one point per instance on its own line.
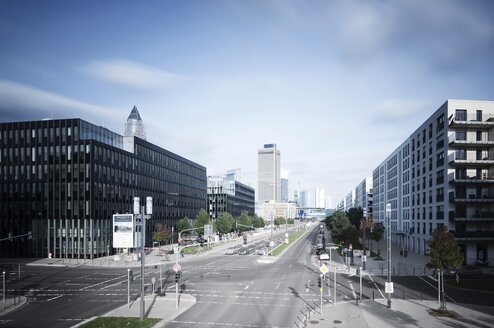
[231, 251]
[324, 256]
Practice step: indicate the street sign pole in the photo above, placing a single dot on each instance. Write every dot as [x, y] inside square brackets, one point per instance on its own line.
[143, 260]
[388, 233]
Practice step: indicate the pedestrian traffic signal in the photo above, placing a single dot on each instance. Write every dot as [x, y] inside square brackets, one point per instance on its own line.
[319, 281]
[177, 276]
[131, 276]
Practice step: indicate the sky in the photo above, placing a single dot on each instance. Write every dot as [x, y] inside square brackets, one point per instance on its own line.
[337, 85]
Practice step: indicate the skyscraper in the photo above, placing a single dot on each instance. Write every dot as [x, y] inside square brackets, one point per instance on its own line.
[269, 181]
[134, 126]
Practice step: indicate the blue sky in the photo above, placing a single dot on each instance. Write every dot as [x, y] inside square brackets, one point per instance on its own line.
[337, 85]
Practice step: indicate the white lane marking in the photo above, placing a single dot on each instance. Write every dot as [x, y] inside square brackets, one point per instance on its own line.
[100, 283]
[247, 287]
[278, 285]
[117, 283]
[382, 295]
[353, 291]
[283, 277]
[54, 298]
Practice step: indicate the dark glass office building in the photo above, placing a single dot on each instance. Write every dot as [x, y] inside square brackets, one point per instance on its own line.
[64, 179]
[225, 195]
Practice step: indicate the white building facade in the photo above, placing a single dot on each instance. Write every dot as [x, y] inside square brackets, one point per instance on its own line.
[443, 174]
[363, 196]
[269, 179]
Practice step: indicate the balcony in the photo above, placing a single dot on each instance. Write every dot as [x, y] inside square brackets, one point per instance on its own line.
[486, 121]
[484, 179]
[465, 162]
[474, 235]
[470, 198]
[475, 217]
[470, 144]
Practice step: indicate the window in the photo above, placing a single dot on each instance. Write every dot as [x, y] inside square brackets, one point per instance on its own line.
[479, 115]
[461, 135]
[461, 115]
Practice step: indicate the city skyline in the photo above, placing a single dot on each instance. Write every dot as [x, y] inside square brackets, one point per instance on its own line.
[336, 86]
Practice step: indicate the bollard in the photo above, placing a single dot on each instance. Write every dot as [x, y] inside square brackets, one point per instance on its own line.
[372, 295]
[403, 295]
[421, 297]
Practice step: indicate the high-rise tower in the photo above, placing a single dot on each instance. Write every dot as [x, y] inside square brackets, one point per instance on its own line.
[134, 126]
[268, 170]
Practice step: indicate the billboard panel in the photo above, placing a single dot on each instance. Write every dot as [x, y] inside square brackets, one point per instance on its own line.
[123, 231]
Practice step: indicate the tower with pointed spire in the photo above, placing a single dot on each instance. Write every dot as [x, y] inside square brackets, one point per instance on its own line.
[134, 126]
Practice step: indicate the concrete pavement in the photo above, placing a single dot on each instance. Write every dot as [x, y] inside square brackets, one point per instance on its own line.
[160, 307]
[369, 314]
[403, 313]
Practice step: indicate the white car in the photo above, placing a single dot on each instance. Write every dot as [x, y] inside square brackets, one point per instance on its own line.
[324, 256]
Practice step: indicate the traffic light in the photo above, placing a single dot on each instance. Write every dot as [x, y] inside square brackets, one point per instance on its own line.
[131, 275]
[319, 281]
[177, 276]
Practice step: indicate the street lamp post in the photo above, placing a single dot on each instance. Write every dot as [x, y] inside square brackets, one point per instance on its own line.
[388, 232]
[149, 211]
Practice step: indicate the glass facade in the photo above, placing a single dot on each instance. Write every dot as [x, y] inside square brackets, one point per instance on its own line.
[64, 179]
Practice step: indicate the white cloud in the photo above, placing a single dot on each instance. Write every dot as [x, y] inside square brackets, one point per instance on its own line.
[130, 74]
[399, 109]
[22, 98]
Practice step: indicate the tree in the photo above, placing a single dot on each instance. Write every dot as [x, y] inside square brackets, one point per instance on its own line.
[244, 221]
[161, 233]
[184, 224]
[377, 233]
[355, 215]
[279, 221]
[445, 255]
[258, 222]
[224, 223]
[202, 218]
[338, 224]
[366, 226]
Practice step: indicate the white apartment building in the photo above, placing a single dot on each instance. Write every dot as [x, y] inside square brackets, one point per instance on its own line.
[349, 200]
[271, 210]
[443, 174]
[320, 198]
[268, 170]
[363, 196]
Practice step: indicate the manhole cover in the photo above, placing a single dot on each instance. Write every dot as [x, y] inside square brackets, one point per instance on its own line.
[337, 321]
[313, 322]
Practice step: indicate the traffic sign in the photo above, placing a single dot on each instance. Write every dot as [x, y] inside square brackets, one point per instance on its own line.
[364, 258]
[324, 269]
[177, 267]
[388, 287]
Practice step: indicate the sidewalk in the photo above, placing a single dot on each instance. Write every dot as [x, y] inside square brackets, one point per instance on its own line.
[412, 264]
[403, 313]
[11, 304]
[155, 257]
[160, 307]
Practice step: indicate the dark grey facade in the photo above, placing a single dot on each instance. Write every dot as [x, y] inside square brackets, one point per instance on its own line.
[229, 196]
[64, 179]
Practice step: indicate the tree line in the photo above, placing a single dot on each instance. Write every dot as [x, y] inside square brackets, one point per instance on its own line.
[225, 224]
